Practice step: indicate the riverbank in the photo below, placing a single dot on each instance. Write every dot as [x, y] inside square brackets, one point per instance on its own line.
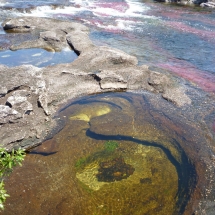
[30, 96]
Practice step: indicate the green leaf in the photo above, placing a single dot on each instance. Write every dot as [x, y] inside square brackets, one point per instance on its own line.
[7, 162]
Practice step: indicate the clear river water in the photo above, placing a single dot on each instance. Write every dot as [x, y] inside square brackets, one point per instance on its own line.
[119, 153]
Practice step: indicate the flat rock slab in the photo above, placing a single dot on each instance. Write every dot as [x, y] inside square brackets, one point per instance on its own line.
[29, 96]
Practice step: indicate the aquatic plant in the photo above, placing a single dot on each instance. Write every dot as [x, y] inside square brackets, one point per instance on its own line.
[8, 160]
[110, 146]
[80, 162]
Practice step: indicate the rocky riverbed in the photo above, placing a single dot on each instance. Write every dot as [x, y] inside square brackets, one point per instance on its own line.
[30, 98]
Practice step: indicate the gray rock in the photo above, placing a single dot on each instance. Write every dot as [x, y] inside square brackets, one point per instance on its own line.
[111, 81]
[8, 114]
[79, 41]
[42, 100]
[31, 44]
[209, 4]
[97, 58]
[185, 2]
[177, 96]
[54, 35]
[158, 81]
[17, 97]
[31, 23]
[36, 94]
[3, 91]
[41, 84]
[19, 76]
[50, 36]
[26, 107]
[55, 39]
[197, 2]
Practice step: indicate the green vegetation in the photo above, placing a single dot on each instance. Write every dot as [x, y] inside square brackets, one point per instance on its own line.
[80, 163]
[8, 160]
[85, 187]
[110, 146]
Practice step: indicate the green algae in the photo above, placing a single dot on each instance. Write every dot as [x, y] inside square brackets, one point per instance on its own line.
[107, 152]
[110, 146]
[80, 163]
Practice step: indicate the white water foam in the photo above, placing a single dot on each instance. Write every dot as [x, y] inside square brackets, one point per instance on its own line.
[10, 13]
[135, 9]
[117, 17]
[121, 25]
[48, 11]
[2, 3]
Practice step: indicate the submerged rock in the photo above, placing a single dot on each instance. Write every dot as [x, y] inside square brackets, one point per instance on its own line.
[87, 113]
[145, 180]
[177, 96]
[114, 170]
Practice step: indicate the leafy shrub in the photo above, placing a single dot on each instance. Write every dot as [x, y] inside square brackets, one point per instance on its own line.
[8, 160]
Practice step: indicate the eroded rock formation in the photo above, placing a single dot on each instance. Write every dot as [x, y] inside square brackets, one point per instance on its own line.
[29, 96]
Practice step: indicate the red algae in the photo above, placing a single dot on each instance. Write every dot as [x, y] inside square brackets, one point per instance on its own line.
[187, 29]
[172, 14]
[204, 80]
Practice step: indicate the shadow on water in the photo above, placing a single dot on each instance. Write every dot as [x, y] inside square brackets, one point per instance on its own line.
[42, 153]
[95, 98]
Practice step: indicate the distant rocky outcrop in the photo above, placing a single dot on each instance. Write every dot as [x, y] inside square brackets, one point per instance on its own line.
[202, 3]
[209, 4]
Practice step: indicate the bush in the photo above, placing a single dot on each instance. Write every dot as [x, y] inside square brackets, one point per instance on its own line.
[8, 160]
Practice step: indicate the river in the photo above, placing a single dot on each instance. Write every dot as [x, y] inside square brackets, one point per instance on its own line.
[176, 38]
[60, 176]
